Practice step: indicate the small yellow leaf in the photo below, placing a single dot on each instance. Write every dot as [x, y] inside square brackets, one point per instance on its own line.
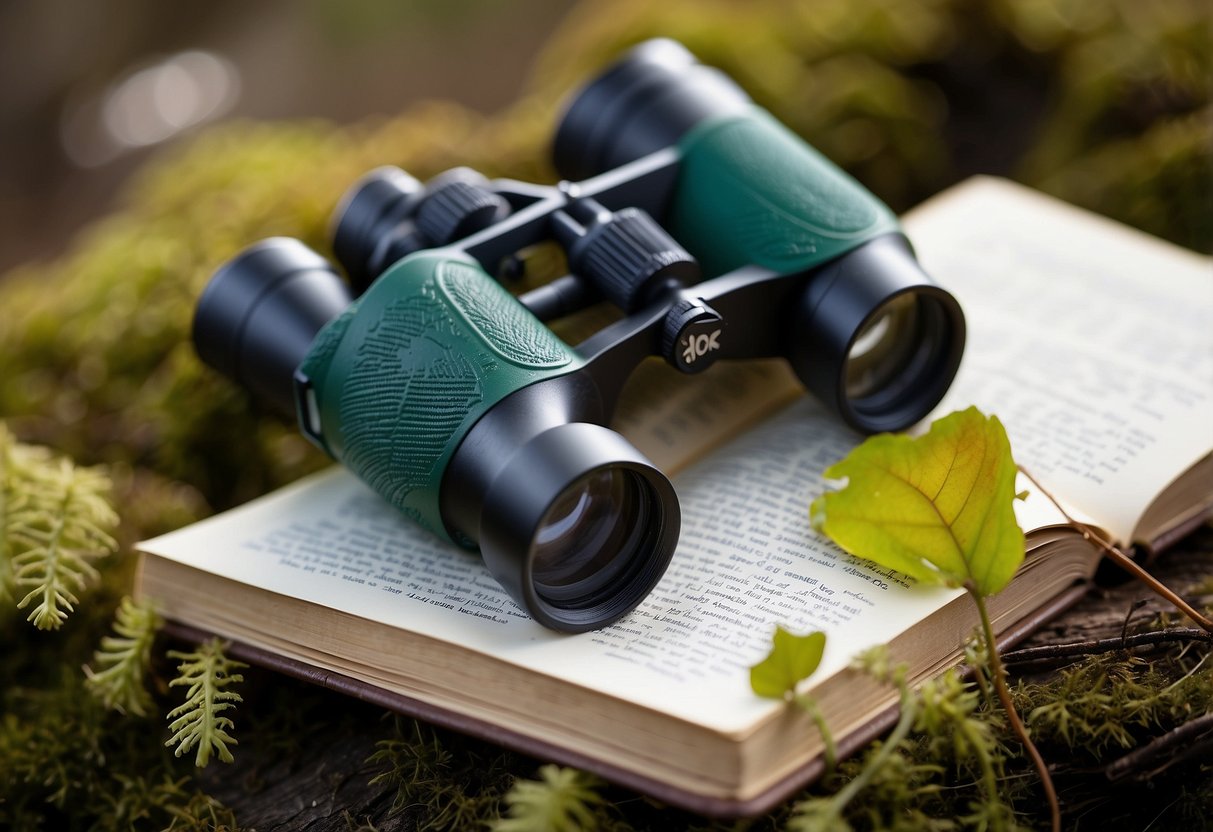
[792, 658]
[938, 508]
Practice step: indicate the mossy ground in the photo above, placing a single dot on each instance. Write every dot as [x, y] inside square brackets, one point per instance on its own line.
[1106, 104]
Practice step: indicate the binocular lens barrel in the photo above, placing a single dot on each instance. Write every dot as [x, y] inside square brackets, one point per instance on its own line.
[578, 526]
[260, 313]
[874, 338]
[573, 521]
[362, 223]
[643, 103]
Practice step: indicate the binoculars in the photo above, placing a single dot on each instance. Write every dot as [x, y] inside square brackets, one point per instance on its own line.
[717, 232]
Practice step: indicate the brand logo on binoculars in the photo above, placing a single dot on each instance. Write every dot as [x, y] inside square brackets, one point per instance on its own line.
[697, 346]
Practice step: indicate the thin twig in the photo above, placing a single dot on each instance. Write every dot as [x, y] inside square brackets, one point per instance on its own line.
[1124, 561]
[909, 712]
[1073, 649]
[1004, 696]
[1134, 607]
[1177, 744]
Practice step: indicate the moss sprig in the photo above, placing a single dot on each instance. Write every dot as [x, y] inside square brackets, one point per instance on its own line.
[943, 767]
[198, 722]
[123, 660]
[561, 800]
[55, 519]
[14, 499]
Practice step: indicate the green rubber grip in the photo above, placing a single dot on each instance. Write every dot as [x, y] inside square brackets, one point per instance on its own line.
[401, 376]
[752, 191]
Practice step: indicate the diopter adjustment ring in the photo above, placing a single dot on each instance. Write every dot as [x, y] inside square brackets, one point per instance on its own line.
[370, 228]
[690, 338]
[626, 255]
[456, 209]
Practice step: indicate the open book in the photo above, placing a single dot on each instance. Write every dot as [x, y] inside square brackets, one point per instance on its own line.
[1091, 342]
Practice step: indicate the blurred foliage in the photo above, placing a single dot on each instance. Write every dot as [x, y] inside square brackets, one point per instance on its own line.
[55, 520]
[1105, 103]
[123, 660]
[561, 800]
[1086, 99]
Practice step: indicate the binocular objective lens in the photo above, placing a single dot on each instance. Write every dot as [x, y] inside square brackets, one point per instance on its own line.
[884, 347]
[577, 525]
[590, 536]
[875, 339]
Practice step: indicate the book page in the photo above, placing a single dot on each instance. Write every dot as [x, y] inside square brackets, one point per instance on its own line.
[1091, 341]
[747, 560]
[673, 418]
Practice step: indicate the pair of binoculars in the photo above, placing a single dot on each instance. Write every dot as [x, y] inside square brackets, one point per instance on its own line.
[716, 231]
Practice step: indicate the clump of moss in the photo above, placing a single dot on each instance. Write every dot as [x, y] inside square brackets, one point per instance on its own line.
[442, 782]
[66, 763]
[961, 767]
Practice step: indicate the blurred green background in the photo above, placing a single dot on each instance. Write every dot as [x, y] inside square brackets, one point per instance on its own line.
[173, 136]
[145, 142]
[80, 110]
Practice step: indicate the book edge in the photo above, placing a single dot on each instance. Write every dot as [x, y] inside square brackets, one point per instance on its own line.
[707, 805]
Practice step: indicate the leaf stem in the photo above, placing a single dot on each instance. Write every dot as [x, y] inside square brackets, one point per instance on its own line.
[979, 676]
[809, 706]
[1004, 696]
[1124, 561]
[909, 712]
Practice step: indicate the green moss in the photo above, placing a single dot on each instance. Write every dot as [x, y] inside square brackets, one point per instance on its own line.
[207, 675]
[67, 764]
[441, 781]
[122, 661]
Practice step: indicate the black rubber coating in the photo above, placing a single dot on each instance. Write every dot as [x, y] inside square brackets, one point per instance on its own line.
[260, 312]
[644, 102]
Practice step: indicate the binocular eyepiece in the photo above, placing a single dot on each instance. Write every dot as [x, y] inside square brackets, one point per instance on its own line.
[719, 234]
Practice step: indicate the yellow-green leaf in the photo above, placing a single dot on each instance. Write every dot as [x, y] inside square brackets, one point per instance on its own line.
[792, 659]
[938, 508]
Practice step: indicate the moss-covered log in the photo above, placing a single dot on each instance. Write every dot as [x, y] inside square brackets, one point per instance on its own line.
[1105, 103]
